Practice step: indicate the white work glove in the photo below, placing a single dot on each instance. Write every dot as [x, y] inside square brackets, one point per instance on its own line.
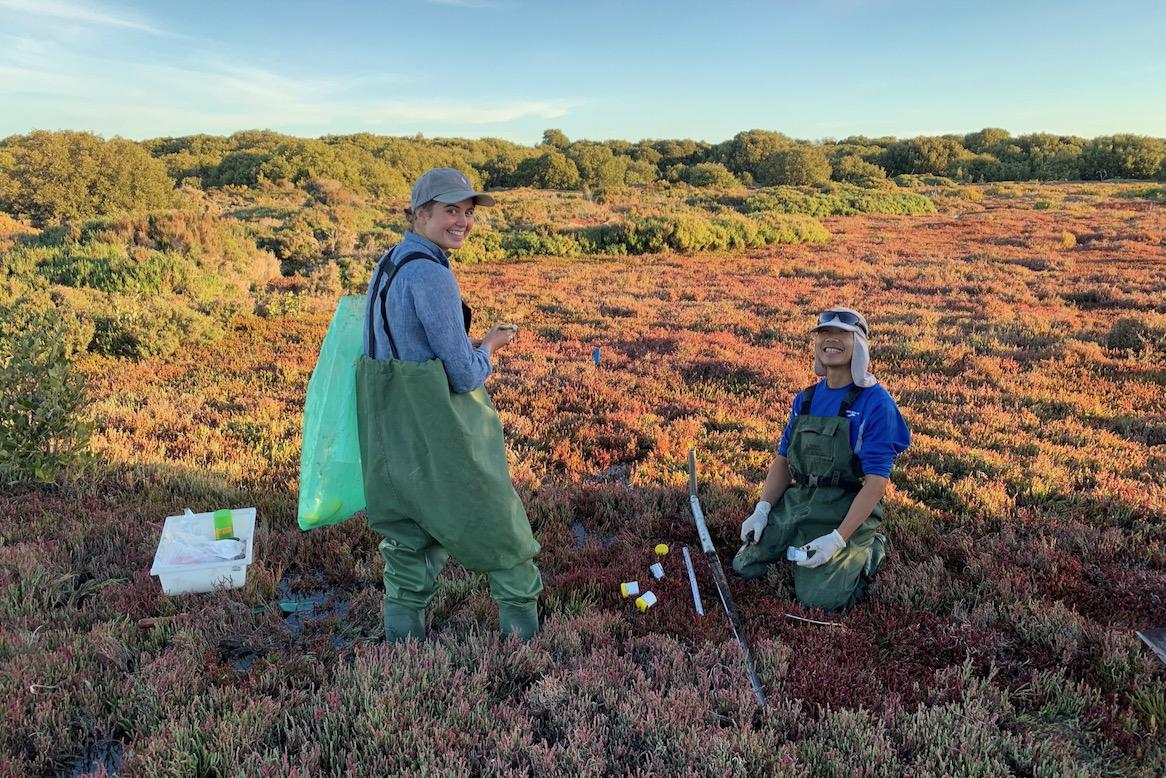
[822, 550]
[753, 526]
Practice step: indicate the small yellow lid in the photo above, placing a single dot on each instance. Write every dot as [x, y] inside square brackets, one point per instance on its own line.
[661, 549]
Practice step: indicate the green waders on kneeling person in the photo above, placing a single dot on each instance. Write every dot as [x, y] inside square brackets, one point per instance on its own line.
[824, 484]
[820, 505]
[436, 479]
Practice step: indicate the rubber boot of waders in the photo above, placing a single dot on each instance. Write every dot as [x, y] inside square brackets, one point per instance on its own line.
[402, 622]
[518, 620]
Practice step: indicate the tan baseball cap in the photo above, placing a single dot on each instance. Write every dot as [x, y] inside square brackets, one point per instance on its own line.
[446, 185]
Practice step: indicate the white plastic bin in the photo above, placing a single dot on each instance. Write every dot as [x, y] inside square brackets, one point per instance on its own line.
[181, 572]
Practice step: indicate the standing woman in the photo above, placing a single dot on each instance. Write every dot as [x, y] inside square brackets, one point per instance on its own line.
[435, 473]
[820, 505]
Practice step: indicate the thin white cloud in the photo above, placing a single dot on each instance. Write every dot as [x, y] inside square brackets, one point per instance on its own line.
[84, 83]
[88, 13]
[143, 99]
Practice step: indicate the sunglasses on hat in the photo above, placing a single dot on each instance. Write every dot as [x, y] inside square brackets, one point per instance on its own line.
[845, 317]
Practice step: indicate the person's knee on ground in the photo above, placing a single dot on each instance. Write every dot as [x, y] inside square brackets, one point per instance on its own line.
[516, 591]
[748, 563]
[753, 559]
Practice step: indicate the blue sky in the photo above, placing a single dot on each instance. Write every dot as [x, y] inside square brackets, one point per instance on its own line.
[595, 69]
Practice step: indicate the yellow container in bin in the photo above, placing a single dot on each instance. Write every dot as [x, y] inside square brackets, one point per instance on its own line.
[185, 562]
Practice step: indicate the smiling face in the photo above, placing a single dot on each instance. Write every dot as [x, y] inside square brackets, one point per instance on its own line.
[833, 346]
[446, 224]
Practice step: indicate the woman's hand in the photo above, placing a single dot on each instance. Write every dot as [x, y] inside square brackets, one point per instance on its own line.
[499, 336]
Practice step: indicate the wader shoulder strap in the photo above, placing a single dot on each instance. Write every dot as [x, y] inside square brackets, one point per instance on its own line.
[848, 400]
[807, 398]
[383, 297]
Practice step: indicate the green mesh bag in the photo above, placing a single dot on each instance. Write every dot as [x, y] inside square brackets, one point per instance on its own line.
[331, 481]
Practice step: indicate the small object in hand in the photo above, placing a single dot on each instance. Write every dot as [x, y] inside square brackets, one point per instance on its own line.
[511, 327]
[657, 571]
[629, 589]
[795, 554]
[647, 600]
[661, 549]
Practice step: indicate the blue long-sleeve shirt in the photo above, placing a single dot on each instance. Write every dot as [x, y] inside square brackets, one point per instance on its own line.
[877, 430]
[424, 307]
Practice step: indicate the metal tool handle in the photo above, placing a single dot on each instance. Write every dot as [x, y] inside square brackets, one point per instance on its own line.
[702, 530]
[714, 561]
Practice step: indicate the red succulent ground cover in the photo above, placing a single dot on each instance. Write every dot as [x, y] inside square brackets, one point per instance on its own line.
[1027, 541]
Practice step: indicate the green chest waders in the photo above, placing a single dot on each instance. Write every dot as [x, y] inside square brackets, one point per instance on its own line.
[826, 476]
[437, 458]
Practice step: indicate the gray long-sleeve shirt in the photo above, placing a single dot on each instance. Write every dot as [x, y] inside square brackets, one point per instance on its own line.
[424, 307]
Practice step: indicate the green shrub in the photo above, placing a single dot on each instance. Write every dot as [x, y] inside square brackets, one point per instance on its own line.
[801, 165]
[694, 232]
[482, 245]
[832, 200]
[709, 174]
[916, 180]
[279, 304]
[853, 169]
[531, 243]
[42, 432]
[550, 170]
[126, 326]
[209, 262]
[611, 238]
[53, 177]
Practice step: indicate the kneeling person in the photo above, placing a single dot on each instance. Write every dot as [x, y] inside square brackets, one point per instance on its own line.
[823, 490]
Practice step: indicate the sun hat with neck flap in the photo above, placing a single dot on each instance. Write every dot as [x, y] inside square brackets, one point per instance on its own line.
[849, 320]
[445, 185]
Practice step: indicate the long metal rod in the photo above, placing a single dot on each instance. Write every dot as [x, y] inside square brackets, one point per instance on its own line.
[692, 582]
[710, 553]
[1156, 640]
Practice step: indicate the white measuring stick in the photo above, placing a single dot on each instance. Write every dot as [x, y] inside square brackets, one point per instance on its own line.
[692, 582]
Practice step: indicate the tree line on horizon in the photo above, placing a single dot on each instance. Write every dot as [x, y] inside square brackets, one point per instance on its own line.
[51, 177]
